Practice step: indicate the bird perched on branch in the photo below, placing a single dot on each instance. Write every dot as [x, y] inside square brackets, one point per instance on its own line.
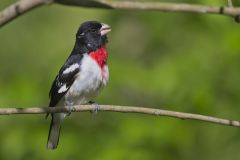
[83, 75]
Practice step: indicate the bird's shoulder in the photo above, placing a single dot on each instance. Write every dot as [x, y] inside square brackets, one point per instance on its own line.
[65, 78]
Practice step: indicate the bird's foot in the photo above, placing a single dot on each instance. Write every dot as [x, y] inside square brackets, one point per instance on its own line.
[70, 108]
[96, 107]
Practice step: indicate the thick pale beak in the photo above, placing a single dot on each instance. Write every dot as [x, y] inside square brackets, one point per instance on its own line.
[105, 29]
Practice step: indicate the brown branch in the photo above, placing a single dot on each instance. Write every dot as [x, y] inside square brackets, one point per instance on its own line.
[123, 109]
[18, 8]
[23, 6]
[153, 6]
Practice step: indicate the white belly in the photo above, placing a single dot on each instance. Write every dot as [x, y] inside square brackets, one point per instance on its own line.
[88, 83]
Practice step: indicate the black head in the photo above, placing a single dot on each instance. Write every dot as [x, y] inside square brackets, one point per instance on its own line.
[91, 35]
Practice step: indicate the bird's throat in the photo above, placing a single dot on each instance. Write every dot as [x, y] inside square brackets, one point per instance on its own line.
[100, 56]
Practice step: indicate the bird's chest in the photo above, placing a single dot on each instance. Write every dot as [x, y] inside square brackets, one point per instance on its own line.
[93, 76]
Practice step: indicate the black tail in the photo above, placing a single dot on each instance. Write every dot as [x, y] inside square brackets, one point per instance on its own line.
[54, 132]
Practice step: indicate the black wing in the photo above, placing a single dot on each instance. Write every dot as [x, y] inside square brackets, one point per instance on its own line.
[64, 79]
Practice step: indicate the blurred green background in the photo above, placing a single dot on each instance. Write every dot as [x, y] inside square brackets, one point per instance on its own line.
[183, 62]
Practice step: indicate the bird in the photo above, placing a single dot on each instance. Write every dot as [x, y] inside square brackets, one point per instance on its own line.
[83, 75]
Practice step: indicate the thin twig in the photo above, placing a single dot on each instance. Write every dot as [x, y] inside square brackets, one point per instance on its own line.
[153, 6]
[18, 8]
[23, 6]
[123, 109]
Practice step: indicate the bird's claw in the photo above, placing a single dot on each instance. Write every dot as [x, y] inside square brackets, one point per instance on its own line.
[96, 107]
[70, 108]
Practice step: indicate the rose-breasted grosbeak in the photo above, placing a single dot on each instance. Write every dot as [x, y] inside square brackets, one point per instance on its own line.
[82, 76]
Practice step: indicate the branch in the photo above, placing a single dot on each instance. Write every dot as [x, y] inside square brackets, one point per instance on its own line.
[153, 6]
[123, 109]
[18, 8]
[23, 6]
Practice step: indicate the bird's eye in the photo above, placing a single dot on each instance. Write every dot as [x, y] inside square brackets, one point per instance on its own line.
[93, 30]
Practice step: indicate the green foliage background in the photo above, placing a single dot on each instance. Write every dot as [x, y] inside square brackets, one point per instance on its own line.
[182, 62]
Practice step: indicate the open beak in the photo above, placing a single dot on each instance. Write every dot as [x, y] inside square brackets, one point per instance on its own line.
[105, 29]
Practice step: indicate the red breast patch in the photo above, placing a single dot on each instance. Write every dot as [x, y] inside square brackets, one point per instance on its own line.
[100, 56]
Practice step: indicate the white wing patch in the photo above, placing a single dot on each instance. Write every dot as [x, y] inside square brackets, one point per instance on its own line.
[63, 89]
[71, 68]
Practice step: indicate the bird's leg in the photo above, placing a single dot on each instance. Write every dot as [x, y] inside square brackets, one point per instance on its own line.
[96, 107]
[70, 107]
